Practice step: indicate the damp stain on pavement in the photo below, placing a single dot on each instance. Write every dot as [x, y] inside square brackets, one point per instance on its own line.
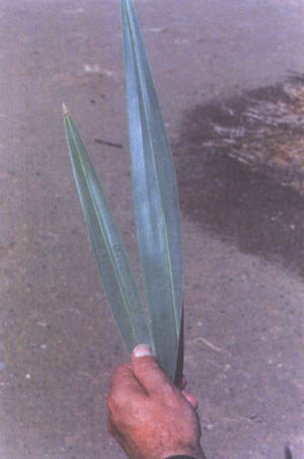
[240, 166]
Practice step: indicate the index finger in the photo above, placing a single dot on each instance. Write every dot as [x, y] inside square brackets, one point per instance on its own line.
[125, 393]
[148, 371]
[124, 381]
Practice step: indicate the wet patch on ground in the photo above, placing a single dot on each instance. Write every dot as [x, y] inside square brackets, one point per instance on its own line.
[240, 165]
[263, 128]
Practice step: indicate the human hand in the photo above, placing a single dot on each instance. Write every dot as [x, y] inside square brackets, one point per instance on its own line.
[149, 417]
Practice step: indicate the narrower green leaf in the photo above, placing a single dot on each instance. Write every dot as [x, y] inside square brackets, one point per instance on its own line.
[155, 197]
[111, 255]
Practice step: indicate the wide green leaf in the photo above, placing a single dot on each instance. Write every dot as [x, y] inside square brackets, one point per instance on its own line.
[110, 252]
[155, 198]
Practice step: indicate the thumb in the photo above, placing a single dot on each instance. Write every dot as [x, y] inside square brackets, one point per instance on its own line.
[147, 370]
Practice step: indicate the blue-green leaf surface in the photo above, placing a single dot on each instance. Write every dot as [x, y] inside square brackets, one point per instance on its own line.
[111, 255]
[155, 197]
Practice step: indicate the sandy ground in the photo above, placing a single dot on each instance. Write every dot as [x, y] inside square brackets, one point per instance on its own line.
[243, 230]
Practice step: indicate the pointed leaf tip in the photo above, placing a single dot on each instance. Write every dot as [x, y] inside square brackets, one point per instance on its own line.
[111, 254]
[65, 111]
[155, 198]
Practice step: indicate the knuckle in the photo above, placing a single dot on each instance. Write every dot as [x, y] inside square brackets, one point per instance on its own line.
[116, 402]
[117, 372]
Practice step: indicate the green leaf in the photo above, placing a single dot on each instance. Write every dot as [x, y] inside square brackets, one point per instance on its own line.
[111, 255]
[155, 197]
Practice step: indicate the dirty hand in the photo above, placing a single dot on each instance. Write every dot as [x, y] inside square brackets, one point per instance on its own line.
[149, 417]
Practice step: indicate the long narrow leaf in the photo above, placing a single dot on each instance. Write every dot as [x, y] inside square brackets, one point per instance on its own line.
[109, 249]
[155, 197]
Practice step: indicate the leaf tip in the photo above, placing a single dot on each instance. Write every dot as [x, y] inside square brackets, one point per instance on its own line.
[65, 111]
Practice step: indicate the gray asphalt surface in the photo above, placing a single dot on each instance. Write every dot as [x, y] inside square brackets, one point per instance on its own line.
[243, 231]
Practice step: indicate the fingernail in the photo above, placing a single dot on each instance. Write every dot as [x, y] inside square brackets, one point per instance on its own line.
[142, 350]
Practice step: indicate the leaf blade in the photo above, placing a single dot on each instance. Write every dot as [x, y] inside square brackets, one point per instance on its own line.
[108, 247]
[155, 196]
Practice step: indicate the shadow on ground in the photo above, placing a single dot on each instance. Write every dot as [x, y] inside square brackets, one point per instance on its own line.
[240, 171]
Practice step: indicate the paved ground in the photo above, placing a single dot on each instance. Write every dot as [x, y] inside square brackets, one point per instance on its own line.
[243, 231]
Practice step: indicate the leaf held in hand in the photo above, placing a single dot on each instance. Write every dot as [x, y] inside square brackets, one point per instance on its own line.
[155, 197]
[110, 252]
[156, 213]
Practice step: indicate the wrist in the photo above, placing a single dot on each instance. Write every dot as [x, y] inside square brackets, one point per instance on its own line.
[181, 456]
[185, 456]
[193, 453]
